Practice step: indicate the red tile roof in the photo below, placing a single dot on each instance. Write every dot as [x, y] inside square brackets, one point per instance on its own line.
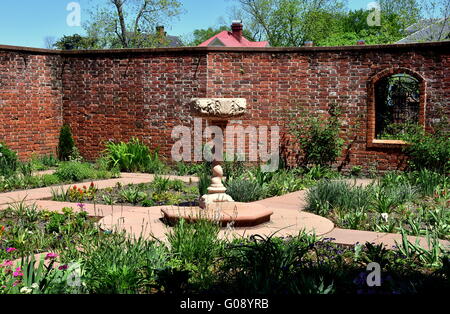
[228, 40]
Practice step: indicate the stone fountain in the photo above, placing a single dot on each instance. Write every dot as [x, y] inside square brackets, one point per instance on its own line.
[217, 204]
[217, 111]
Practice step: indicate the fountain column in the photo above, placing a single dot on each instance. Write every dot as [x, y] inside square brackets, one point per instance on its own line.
[220, 110]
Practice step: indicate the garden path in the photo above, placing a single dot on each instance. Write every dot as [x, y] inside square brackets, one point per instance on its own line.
[288, 218]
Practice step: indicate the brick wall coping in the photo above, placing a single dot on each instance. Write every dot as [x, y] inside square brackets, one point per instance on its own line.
[181, 50]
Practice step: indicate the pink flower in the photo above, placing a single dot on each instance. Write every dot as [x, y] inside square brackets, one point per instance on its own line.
[51, 256]
[16, 283]
[63, 267]
[18, 272]
[10, 249]
[7, 263]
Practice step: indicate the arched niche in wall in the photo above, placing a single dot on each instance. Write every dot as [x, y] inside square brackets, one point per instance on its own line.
[396, 102]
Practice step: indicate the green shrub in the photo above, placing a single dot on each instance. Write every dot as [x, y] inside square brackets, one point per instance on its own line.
[8, 161]
[329, 195]
[44, 162]
[73, 171]
[161, 184]
[25, 168]
[425, 150]
[427, 181]
[244, 190]
[187, 169]
[197, 246]
[429, 151]
[132, 195]
[318, 137]
[233, 169]
[283, 182]
[117, 264]
[204, 180]
[66, 143]
[269, 265]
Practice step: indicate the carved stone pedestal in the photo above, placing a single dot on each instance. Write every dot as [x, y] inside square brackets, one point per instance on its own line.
[217, 109]
[216, 191]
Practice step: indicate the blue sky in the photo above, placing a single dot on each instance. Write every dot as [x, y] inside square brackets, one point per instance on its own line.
[28, 22]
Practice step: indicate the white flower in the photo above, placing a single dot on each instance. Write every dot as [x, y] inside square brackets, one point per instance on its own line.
[35, 286]
[385, 216]
[26, 290]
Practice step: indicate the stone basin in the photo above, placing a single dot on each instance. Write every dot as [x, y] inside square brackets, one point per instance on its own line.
[242, 214]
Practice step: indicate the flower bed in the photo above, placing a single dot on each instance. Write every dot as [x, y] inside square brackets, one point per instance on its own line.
[416, 203]
[66, 172]
[196, 260]
[162, 191]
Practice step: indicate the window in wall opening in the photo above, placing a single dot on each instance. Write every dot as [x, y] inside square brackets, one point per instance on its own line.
[397, 106]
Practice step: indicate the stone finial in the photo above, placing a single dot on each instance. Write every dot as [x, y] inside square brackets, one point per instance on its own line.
[219, 108]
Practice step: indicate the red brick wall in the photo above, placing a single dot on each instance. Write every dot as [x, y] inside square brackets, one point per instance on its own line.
[30, 102]
[130, 95]
[145, 93]
[273, 82]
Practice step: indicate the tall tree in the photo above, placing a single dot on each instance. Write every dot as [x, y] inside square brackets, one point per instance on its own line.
[290, 22]
[75, 42]
[130, 23]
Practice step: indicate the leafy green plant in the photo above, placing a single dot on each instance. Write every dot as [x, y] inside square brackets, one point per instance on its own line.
[117, 264]
[108, 199]
[385, 199]
[427, 181]
[161, 184]
[177, 185]
[426, 150]
[8, 161]
[38, 277]
[352, 219]
[244, 190]
[196, 245]
[37, 162]
[233, 169]
[318, 137]
[66, 143]
[283, 182]
[25, 168]
[204, 181]
[75, 171]
[185, 169]
[264, 265]
[414, 251]
[133, 195]
[328, 195]
[132, 157]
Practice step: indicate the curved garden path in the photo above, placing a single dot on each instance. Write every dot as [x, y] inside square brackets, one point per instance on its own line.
[288, 218]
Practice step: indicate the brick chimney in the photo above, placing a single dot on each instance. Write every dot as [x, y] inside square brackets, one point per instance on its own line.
[236, 29]
[160, 32]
